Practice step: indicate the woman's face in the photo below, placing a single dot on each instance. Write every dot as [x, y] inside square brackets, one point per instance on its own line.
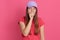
[32, 10]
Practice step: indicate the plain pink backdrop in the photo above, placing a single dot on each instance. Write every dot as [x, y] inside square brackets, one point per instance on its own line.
[12, 10]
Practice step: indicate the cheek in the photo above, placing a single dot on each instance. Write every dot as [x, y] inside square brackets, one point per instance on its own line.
[29, 11]
[34, 11]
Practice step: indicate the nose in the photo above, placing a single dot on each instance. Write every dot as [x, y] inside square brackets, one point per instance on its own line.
[32, 9]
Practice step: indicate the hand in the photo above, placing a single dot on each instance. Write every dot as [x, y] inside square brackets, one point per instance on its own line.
[31, 15]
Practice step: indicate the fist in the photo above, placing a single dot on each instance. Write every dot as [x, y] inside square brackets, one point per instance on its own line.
[31, 15]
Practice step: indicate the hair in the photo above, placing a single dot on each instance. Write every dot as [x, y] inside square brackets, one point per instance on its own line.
[35, 19]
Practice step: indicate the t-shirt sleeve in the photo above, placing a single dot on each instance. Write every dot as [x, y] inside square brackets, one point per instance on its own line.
[41, 22]
[21, 19]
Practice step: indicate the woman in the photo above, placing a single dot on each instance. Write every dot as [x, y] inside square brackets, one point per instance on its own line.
[32, 27]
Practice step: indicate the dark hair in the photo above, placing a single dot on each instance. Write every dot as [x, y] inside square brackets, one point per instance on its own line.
[35, 19]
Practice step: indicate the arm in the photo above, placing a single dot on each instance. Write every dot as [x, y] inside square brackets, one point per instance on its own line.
[42, 32]
[26, 30]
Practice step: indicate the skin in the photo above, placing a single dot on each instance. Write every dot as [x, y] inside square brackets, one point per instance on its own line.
[26, 30]
[42, 32]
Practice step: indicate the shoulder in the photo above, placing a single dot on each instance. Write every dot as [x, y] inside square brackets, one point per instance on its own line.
[22, 18]
[40, 21]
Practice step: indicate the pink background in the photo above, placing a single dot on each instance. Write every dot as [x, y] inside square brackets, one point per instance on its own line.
[12, 10]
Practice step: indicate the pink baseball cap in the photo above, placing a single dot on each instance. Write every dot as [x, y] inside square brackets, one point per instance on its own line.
[31, 4]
